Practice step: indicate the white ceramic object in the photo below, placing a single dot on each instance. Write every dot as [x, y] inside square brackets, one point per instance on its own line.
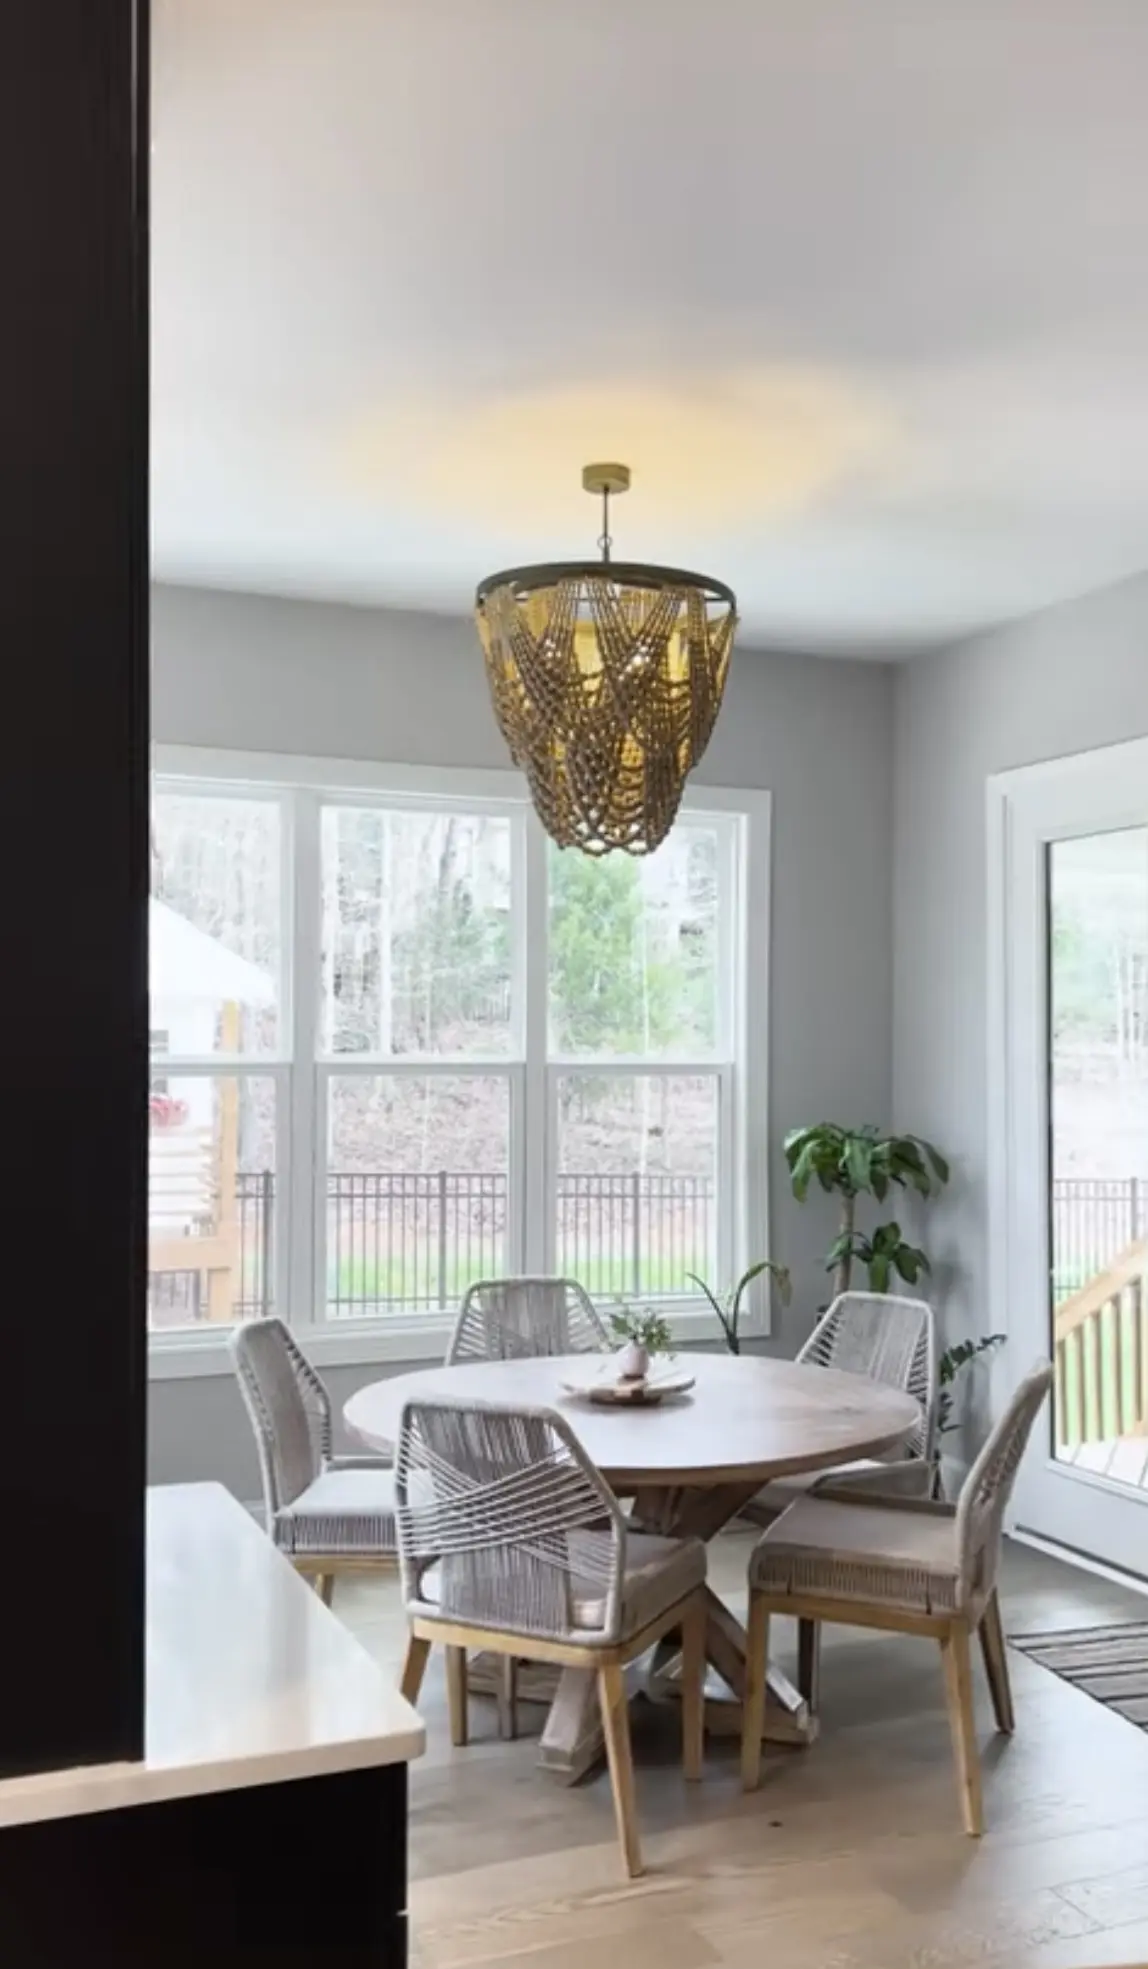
[633, 1361]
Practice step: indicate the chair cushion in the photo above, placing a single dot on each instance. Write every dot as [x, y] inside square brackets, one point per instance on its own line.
[883, 1554]
[659, 1572]
[342, 1511]
[912, 1476]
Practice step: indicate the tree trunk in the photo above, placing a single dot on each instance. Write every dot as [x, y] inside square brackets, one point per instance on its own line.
[844, 1271]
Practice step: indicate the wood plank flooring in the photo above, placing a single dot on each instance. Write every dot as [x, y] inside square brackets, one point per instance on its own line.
[851, 1855]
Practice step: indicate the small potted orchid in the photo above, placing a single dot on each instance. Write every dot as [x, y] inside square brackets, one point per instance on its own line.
[640, 1332]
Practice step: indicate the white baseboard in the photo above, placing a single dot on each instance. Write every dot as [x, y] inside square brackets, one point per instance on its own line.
[1113, 1574]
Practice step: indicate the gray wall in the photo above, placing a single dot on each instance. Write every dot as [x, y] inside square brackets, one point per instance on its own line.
[255, 674]
[1063, 681]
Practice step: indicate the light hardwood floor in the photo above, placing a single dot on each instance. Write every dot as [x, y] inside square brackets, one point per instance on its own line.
[851, 1856]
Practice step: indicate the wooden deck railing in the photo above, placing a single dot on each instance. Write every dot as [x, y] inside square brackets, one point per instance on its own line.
[1102, 1353]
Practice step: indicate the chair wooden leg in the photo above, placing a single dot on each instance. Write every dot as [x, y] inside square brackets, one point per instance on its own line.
[753, 1707]
[456, 1696]
[506, 1698]
[616, 1729]
[996, 1665]
[414, 1667]
[325, 1587]
[959, 1691]
[694, 1689]
[809, 1662]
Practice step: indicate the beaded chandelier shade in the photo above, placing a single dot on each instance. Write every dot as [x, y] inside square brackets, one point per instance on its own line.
[607, 678]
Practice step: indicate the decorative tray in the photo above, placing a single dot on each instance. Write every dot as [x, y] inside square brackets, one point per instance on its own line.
[602, 1383]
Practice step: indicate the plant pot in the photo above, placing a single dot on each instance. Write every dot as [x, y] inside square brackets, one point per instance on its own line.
[633, 1362]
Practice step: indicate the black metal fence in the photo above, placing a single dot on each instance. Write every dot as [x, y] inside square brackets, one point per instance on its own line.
[413, 1239]
[633, 1234]
[1094, 1219]
[398, 1239]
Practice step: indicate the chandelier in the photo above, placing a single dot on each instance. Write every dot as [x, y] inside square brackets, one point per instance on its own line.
[607, 678]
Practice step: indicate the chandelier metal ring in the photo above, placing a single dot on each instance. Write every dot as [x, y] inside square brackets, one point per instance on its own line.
[628, 574]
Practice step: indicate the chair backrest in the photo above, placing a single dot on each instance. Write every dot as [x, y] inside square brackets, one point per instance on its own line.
[518, 1524]
[289, 1408]
[519, 1318]
[986, 1490]
[889, 1338]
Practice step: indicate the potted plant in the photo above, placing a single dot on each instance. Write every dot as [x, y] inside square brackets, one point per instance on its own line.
[853, 1162]
[727, 1307]
[639, 1332]
[952, 1364]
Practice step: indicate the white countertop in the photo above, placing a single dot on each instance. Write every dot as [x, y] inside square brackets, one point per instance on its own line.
[250, 1679]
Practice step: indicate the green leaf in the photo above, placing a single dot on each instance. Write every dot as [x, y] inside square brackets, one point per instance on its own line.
[801, 1168]
[879, 1272]
[962, 1352]
[858, 1162]
[796, 1143]
[728, 1326]
[937, 1161]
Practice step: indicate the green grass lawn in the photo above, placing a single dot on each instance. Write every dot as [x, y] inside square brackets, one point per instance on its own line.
[403, 1281]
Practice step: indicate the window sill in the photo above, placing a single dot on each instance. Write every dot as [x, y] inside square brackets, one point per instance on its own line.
[421, 1338]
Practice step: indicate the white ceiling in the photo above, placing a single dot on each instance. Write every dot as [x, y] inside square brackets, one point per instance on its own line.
[859, 288]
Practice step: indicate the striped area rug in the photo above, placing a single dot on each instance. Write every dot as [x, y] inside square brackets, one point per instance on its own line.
[1108, 1663]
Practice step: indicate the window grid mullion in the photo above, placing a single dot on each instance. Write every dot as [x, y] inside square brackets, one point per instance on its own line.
[539, 1185]
[304, 1193]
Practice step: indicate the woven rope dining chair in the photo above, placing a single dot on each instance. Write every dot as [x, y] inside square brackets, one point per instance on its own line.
[905, 1564]
[515, 1319]
[512, 1543]
[329, 1514]
[520, 1318]
[889, 1339]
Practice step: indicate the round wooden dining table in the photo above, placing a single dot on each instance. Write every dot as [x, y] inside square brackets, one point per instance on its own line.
[689, 1464]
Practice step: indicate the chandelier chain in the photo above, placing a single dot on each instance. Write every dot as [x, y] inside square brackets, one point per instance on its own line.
[604, 540]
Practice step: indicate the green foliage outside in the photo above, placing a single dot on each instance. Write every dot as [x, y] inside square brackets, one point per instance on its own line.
[616, 986]
[402, 1281]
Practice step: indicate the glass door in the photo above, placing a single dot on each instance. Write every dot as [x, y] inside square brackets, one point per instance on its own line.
[1097, 930]
[1070, 1230]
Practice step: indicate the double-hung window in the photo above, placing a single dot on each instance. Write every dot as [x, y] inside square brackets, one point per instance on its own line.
[400, 1042]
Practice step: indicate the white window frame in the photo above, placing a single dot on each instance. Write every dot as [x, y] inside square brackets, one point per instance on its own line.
[740, 1068]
